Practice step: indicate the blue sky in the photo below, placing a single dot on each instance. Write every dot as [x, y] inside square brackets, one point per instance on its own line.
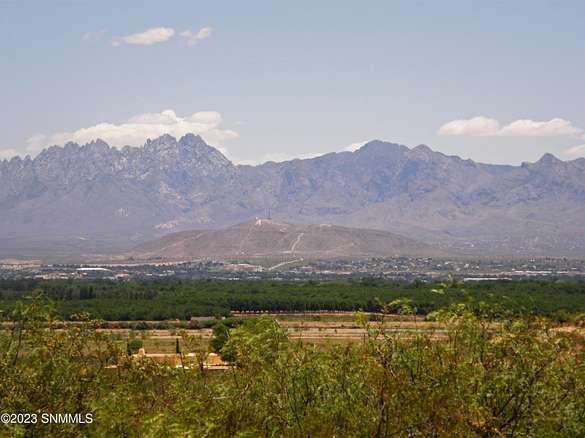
[274, 79]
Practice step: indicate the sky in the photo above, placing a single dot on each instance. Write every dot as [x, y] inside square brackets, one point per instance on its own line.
[495, 81]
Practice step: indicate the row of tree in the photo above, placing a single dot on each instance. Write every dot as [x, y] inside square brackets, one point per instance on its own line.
[183, 299]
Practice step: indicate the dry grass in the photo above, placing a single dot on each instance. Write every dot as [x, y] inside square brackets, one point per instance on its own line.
[311, 327]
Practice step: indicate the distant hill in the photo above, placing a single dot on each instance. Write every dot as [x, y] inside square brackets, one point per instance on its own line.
[270, 239]
[95, 198]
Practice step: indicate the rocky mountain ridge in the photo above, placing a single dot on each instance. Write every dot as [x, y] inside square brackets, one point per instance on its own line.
[94, 196]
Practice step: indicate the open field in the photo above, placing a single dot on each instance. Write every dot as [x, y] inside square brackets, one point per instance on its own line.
[319, 328]
[314, 327]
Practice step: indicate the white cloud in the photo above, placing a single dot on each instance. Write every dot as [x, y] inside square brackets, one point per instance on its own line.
[192, 38]
[354, 146]
[94, 36]
[139, 128]
[7, 154]
[476, 126]
[149, 37]
[484, 126]
[575, 152]
[530, 128]
[36, 142]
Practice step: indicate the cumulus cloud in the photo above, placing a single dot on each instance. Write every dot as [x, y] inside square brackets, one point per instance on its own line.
[149, 37]
[354, 146]
[530, 128]
[7, 153]
[575, 151]
[477, 126]
[139, 128]
[485, 126]
[93, 36]
[191, 38]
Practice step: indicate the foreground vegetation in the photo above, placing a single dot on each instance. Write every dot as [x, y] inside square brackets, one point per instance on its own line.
[183, 299]
[491, 374]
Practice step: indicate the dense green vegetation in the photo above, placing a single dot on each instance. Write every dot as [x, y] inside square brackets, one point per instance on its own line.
[519, 377]
[176, 299]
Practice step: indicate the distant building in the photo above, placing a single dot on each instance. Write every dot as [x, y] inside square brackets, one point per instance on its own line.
[95, 272]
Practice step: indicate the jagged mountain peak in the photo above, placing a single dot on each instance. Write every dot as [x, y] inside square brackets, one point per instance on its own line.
[55, 150]
[379, 147]
[548, 163]
[423, 148]
[548, 159]
[189, 147]
[164, 142]
[16, 160]
[191, 139]
[172, 185]
[97, 144]
[188, 139]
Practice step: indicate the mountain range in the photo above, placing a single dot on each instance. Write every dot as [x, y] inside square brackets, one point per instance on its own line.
[96, 198]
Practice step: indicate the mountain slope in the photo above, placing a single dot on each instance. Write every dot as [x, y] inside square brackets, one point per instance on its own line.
[267, 238]
[93, 196]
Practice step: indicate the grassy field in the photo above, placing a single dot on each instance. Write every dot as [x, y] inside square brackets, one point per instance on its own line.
[315, 328]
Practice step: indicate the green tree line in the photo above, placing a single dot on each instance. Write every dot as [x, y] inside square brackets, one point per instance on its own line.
[183, 299]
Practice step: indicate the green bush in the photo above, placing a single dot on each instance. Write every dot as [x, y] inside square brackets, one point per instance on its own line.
[481, 377]
[134, 345]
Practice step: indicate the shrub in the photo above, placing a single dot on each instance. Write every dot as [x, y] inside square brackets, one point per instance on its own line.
[134, 345]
